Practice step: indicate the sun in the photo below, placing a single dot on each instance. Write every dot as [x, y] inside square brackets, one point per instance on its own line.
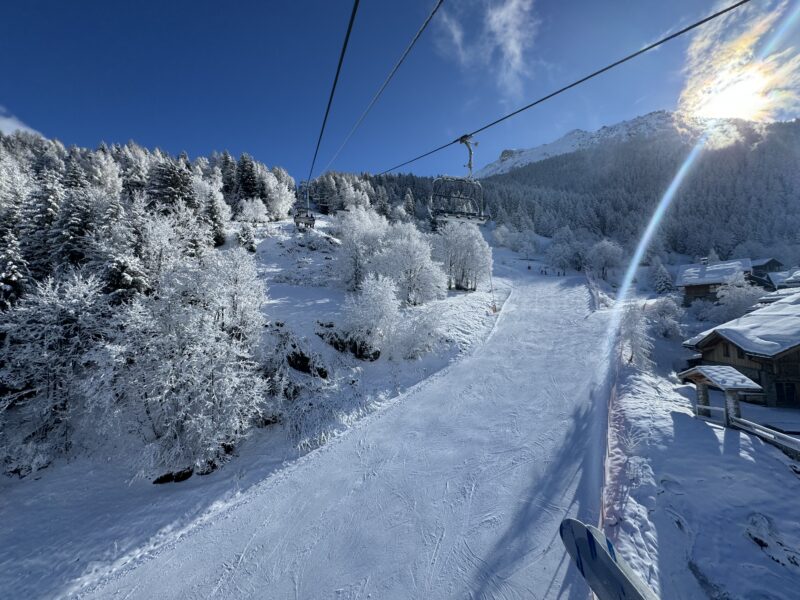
[736, 94]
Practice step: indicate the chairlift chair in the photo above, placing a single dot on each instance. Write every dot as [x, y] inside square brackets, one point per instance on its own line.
[303, 217]
[458, 199]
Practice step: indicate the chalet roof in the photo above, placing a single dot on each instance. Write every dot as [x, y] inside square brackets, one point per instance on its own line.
[721, 376]
[713, 273]
[760, 262]
[778, 295]
[768, 331]
[790, 278]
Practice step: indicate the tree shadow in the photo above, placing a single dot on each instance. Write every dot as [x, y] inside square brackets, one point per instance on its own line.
[579, 458]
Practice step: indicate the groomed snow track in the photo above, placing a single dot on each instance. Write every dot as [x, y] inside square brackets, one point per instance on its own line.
[456, 490]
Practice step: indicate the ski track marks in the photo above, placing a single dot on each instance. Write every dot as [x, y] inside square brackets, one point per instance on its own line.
[455, 490]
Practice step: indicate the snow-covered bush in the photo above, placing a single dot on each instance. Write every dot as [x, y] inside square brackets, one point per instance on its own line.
[666, 315]
[371, 315]
[406, 258]
[52, 345]
[522, 241]
[252, 210]
[466, 256]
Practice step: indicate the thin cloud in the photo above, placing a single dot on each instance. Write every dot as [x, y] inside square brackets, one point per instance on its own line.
[498, 44]
[9, 123]
[739, 66]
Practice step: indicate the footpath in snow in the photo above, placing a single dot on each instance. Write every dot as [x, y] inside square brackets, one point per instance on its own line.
[455, 490]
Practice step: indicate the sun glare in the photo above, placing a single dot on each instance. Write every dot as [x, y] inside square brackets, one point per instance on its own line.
[737, 95]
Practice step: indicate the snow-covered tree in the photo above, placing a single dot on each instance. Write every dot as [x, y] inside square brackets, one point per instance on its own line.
[362, 232]
[565, 251]
[39, 215]
[604, 255]
[208, 192]
[168, 184]
[246, 237]
[277, 196]
[187, 363]
[666, 317]
[13, 271]
[734, 299]
[466, 256]
[636, 344]
[247, 185]
[660, 279]
[372, 313]
[251, 210]
[50, 351]
[406, 258]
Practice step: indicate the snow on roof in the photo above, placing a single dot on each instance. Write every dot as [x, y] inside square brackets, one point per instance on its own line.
[778, 295]
[724, 377]
[718, 272]
[785, 278]
[760, 262]
[768, 331]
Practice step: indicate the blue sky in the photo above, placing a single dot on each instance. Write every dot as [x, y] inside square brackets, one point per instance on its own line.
[254, 76]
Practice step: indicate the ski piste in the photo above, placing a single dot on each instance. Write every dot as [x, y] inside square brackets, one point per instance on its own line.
[607, 574]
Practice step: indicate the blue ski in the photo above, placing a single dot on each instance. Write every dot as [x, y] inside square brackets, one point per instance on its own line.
[609, 576]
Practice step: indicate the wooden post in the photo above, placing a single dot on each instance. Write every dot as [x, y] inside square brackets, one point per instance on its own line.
[702, 400]
[732, 408]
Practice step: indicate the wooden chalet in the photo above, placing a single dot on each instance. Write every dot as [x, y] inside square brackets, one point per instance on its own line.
[763, 345]
[701, 281]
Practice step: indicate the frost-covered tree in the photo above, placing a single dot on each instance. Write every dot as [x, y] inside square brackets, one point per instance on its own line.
[372, 313]
[39, 215]
[187, 363]
[666, 317]
[565, 252]
[169, 183]
[660, 279]
[636, 344]
[362, 232]
[734, 298]
[246, 237]
[251, 210]
[208, 192]
[406, 258]
[466, 256]
[71, 233]
[50, 351]
[13, 271]
[247, 184]
[605, 255]
[278, 197]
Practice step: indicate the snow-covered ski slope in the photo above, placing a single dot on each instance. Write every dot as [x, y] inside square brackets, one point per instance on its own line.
[454, 490]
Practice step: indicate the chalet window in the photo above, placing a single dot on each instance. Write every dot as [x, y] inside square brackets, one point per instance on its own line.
[726, 350]
[739, 352]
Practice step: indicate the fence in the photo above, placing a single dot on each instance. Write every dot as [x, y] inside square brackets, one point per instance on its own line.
[790, 445]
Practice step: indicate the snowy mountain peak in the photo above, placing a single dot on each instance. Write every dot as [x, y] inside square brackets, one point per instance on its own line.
[578, 139]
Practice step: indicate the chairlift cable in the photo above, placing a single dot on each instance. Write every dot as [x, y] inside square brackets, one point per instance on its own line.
[333, 91]
[576, 83]
[386, 82]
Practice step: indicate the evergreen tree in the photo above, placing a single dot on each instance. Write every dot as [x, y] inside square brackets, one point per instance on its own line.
[227, 167]
[660, 278]
[39, 216]
[13, 271]
[246, 237]
[75, 176]
[168, 184]
[409, 204]
[247, 183]
[71, 231]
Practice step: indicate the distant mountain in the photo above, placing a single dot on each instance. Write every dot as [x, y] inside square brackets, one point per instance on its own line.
[647, 126]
